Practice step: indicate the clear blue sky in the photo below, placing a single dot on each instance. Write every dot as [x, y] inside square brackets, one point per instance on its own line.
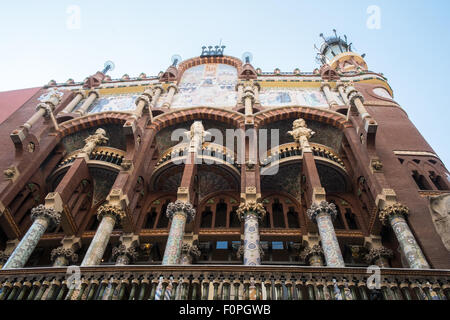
[411, 48]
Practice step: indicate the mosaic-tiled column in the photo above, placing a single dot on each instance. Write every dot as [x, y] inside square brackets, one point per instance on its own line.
[251, 212]
[188, 253]
[123, 255]
[63, 257]
[108, 215]
[379, 256]
[181, 213]
[394, 215]
[313, 255]
[323, 214]
[43, 218]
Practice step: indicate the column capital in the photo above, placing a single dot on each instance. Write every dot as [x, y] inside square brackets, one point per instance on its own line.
[323, 207]
[353, 94]
[250, 207]
[50, 214]
[377, 253]
[395, 209]
[122, 250]
[174, 86]
[146, 98]
[190, 249]
[113, 211]
[178, 206]
[158, 87]
[93, 92]
[325, 84]
[308, 252]
[68, 253]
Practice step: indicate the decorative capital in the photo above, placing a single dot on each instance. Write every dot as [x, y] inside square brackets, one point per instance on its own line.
[68, 253]
[353, 94]
[113, 211]
[377, 253]
[322, 207]
[181, 207]
[299, 130]
[395, 209]
[53, 217]
[308, 252]
[191, 250]
[122, 250]
[145, 98]
[250, 207]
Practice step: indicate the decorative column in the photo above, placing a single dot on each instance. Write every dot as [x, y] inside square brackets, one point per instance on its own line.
[109, 215]
[250, 212]
[172, 89]
[356, 101]
[180, 213]
[313, 255]
[341, 88]
[79, 95]
[43, 218]
[188, 253]
[142, 102]
[323, 214]
[123, 255]
[158, 90]
[92, 95]
[379, 256]
[326, 88]
[63, 257]
[45, 110]
[126, 251]
[394, 215]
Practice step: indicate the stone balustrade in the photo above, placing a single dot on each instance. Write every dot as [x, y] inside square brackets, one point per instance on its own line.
[218, 282]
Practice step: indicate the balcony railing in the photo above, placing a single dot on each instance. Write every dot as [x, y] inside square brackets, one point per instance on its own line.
[219, 282]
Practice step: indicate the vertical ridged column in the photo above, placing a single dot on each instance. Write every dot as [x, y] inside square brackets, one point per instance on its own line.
[326, 88]
[92, 95]
[394, 215]
[251, 212]
[323, 214]
[43, 218]
[171, 90]
[108, 215]
[180, 213]
[72, 104]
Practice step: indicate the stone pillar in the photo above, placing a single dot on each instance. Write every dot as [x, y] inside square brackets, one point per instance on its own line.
[126, 251]
[172, 89]
[323, 214]
[326, 88]
[143, 101]
[45, 110]
[188, 253]
[394, 215]
[158, 90]
[109, 215]
[250, 212]
[181, 213]
[43, 218]
[79, 95]
[341, 88]
[313, 255]
[240, 92]
[92, 95]
[249, 100]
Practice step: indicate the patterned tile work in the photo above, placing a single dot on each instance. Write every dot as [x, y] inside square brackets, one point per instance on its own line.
[408, 243]
[251, 241]
[98, 245]
[330, 245]
[174, 242]
[27, 245]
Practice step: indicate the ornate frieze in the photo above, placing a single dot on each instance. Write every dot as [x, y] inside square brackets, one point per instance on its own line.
[322, 207]
[395, 209]
[53, 217]
[113, 211]
[181, 207]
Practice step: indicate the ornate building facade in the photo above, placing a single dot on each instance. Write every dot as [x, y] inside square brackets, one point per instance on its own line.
[158, 187]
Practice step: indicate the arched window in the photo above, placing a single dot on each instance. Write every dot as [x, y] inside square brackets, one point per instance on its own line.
[156, 217]
[281, 212]
[346, 218]
[219, 212]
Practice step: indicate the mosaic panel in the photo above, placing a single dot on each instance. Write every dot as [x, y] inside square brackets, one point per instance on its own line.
[293, 97]
[114, 102]
[207, 85]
